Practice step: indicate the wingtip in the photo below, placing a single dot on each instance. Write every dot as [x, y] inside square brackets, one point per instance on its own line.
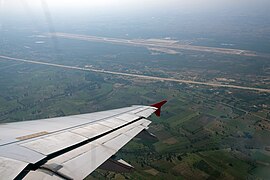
[158, 106]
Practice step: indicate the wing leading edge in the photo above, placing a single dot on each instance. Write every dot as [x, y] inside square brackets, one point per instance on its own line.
[69, 147]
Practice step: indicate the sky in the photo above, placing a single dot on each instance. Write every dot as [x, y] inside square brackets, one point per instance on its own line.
[67, 6]
[204, 15]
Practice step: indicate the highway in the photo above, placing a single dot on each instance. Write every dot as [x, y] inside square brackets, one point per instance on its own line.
[134, 75]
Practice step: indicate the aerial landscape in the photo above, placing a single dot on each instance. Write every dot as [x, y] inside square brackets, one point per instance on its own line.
[210, 60]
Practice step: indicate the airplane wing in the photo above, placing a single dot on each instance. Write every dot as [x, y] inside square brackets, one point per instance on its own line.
[69, 147]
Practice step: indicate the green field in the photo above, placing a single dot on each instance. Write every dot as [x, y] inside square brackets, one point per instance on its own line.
[204, 132]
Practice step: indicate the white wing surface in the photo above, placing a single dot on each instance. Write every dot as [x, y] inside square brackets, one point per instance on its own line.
[68, 147]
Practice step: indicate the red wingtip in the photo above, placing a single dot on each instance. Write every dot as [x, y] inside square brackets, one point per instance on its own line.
[158, 105]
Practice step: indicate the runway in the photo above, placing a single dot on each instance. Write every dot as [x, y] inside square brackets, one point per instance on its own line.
[154, 43]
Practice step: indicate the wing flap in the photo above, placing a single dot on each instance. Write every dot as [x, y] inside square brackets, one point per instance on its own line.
[16, 152]
[42, 174]
[10, 168]
[80, 162]
[81, 166]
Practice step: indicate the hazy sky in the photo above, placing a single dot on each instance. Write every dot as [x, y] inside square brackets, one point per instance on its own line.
[9, 6]
[182, 18]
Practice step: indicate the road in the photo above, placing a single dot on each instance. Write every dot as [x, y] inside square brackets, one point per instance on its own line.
[135, 75]
[154, 43]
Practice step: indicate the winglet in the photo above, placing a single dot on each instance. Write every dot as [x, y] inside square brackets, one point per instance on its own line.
[158, 105]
